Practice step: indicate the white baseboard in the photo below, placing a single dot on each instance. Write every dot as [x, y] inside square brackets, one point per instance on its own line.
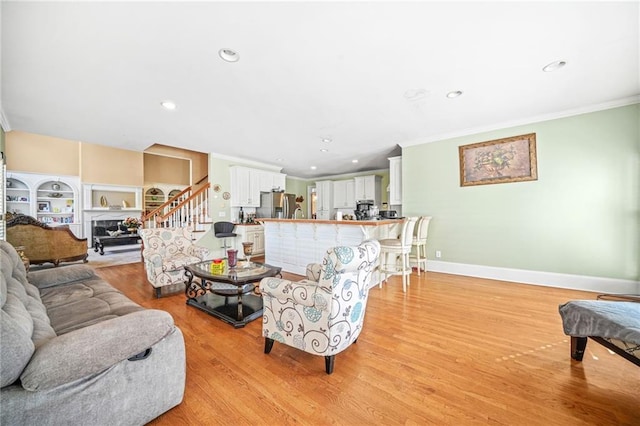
[548, 279]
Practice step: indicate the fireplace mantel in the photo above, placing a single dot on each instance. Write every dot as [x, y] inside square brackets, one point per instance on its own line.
[93, 211]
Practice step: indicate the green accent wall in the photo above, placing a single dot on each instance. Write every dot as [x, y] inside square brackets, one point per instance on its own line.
[581, 217]
[299, 188]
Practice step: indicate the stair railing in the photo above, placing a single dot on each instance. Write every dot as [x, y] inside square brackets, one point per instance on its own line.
[184, 209]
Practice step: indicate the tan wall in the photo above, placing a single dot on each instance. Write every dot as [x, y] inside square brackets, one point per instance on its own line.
[28, 152]
[199, 160]
[111, 166]
[160, 169]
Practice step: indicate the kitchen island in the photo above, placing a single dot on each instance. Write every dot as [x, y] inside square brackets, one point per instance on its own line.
[292, 244]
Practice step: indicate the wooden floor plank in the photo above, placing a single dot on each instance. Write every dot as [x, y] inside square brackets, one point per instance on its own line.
[452, 350]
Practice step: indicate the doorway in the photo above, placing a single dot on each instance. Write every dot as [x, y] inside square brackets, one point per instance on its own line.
[312, 205]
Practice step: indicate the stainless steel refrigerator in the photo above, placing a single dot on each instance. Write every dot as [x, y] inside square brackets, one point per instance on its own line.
[276, 205]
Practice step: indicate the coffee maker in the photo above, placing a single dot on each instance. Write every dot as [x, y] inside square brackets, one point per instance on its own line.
[364, 210]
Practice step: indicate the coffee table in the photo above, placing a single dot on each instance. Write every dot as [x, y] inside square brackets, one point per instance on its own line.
[100, 242]
[228, 295]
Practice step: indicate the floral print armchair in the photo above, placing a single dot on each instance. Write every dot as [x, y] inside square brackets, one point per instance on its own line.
[323, 314]
[166, 251]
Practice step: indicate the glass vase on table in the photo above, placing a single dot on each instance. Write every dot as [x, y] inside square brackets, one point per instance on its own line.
[247, 248]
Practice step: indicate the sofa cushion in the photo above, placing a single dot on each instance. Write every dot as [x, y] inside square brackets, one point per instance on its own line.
[25, 324]
[17, 348]
[52, 277]
[83, 303]
[90, 350]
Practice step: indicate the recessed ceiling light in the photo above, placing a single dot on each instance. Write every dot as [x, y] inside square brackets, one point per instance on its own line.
[170, 105]
[554, 66]
[229, 55]
[354, 161]
[454, 94]
[324, 150]
[326, 140]
[313, 167]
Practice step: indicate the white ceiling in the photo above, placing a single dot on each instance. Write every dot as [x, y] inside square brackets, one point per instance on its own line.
[96, 72]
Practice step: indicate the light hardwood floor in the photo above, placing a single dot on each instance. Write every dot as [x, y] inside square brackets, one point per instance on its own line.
[452, 350]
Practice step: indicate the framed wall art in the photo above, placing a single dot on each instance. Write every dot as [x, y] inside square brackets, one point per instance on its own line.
[499, 161]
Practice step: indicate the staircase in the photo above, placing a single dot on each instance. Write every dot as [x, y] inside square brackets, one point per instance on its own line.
[188, 208]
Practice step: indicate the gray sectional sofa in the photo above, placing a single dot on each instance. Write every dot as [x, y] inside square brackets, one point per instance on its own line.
[74, 350]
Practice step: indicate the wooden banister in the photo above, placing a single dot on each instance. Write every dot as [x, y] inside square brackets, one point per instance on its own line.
[185, 208]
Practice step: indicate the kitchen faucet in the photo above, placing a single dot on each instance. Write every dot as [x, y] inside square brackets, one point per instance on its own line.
[295, 213]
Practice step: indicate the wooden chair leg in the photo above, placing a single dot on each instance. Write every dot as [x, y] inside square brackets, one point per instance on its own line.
[328, 363]
[268, 345]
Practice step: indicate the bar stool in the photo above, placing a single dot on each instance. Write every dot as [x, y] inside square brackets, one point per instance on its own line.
[224, 230]
[419, 243]
[394, 254]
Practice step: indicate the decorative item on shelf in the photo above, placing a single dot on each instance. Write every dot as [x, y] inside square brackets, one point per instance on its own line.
[103, 201]
[55, 195]
[55, 187]
[153, 191]
[125, 204]
[299, 199]
[216, 188]
[44, 206]
[226, 195]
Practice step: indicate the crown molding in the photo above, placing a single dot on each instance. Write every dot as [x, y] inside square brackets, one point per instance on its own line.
[245, 162]
[524, 121]
[4, 122]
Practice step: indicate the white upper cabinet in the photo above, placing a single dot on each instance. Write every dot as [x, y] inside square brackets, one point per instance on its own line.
[395, 181]
[369, 188]
[247, 183]
[344, 194]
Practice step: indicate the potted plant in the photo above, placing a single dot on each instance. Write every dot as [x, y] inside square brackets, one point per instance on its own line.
[132, 224]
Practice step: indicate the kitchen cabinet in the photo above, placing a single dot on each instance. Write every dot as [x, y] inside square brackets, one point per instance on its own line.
[344, 194]
[250, 233]
[245, 187]
[270, 181]
[324, 199]
[247, 183]
[369, 188]
[395, 181]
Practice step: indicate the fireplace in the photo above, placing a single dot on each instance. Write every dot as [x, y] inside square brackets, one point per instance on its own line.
[99, 228]
[105, 219]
